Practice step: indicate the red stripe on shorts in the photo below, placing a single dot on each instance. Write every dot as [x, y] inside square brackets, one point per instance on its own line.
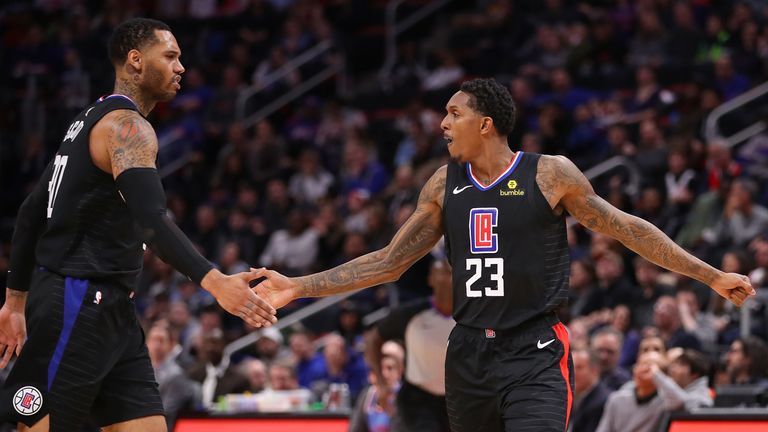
[562, 335]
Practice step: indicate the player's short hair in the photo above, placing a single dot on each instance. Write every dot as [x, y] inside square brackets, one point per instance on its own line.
[135, 33]
[492, 99]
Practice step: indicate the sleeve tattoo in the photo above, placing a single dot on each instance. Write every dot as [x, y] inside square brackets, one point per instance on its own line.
[132, 142]
[560, 179]
[414, 239]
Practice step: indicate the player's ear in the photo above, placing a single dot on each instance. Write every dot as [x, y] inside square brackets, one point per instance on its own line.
[486, 125]
[133, 61]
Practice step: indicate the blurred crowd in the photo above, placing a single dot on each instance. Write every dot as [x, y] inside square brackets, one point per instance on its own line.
[332, 175]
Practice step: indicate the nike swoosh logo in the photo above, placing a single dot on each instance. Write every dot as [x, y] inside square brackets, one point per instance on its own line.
[540, 345]
[89, 110]
[457, 191]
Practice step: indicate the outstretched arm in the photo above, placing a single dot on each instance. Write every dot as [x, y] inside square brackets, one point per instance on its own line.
[565, 186]
[131, 146]
[412, 241]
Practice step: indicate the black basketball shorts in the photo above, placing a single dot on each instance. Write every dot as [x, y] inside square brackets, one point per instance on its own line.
[85, 355]
[515, 380]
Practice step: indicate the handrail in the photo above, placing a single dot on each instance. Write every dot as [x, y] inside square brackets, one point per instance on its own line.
[280, 73]
[293, 94]
[306, 311]
[394, 29]
[176, 165]
[711, 131]
[633, 188]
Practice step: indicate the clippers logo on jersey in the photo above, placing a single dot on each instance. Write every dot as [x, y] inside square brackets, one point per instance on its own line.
[27, 401]
[482, 239]
[73, 130]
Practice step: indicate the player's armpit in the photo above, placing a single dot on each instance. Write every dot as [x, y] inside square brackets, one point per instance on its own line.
[412, 241]
[130, 141]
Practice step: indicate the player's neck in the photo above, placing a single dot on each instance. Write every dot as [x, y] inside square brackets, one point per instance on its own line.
[492, 161]
[128, 88]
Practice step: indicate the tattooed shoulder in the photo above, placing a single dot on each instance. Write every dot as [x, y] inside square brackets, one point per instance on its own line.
[434, 189]
[556, 176]
[131, 141]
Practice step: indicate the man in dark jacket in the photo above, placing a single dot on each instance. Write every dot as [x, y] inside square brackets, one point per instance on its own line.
[590, 393]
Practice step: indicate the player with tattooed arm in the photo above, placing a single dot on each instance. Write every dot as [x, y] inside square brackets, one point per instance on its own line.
[508, 365]
[78, 244]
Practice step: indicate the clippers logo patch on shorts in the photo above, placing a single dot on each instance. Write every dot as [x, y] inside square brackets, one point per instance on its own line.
[27, 401]
[482, 239]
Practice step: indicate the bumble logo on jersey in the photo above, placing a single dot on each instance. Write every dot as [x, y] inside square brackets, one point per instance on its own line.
[512, 189]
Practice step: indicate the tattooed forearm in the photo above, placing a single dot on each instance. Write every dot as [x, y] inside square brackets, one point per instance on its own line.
[642, 237]
[131, 143]
[414, 239]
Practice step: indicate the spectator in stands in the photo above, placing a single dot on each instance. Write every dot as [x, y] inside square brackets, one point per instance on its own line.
[312, 182]
[613, 286]
[581, 285]
[293, 249]
[282, 376]
[206, 230]
[589, 393]
[448, 72]
[266, 156]
[176, 390]
[681, 183]
[230, 261]
[184, 325]
[637, 406]
[684, 37]
[361, 168]
[759, 276]
[305, 359]
[647, 45]
[696, 233]
[214, 372]
[666, 318]
[374, 411]
[684, 386]
[277, 205]
[742, 219]
[729, 81]
[699, 323]
[330, 229]
[269, 347]
[647, 292]
[339, 365]
[622, 321]
[720, 166]
[606, 344]
[652, 343]
[350, 325]
[747, 361]
[256, 373]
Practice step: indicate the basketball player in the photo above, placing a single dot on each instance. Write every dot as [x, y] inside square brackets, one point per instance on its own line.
[508, 364]
[78, 243]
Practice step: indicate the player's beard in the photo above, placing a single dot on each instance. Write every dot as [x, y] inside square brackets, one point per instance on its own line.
[155, 84]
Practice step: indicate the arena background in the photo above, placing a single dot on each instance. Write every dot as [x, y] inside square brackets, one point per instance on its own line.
[304, 130]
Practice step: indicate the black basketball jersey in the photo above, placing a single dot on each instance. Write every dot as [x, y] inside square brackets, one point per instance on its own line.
[89, 232]
[508, 249]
